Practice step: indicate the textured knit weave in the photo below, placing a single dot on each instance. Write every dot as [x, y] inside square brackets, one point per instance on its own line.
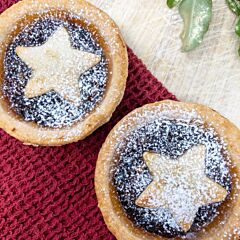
[48, 192]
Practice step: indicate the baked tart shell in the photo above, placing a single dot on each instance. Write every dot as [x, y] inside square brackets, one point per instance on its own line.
[108, 202]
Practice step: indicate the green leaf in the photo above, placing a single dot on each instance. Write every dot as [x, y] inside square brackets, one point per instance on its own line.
[234, 6]
[173, 3]
[237, 28]
[196, 15]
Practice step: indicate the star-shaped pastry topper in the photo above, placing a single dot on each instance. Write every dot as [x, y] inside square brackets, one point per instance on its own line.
[56, 66]
[180, 185]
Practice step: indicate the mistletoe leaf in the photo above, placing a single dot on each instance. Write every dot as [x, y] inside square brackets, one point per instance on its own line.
[234, 6]
[196, 15]
[173, 3]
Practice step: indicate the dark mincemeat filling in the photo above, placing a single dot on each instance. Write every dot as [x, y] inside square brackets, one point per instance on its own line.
[170, 138]
[50, 109]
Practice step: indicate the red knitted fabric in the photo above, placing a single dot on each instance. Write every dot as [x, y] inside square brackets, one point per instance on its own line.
[48, 192]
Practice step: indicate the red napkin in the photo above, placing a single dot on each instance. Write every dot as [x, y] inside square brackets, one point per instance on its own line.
[48, 192]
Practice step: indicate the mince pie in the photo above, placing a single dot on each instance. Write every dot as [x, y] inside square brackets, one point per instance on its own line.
[171, 170]
[63, 70]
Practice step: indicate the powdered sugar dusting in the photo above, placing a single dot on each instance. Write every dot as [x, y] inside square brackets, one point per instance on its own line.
[180, 185]
[169, 133]
[51, 109]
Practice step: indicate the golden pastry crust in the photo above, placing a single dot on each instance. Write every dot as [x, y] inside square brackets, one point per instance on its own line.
[114, 49]
[109, 205]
